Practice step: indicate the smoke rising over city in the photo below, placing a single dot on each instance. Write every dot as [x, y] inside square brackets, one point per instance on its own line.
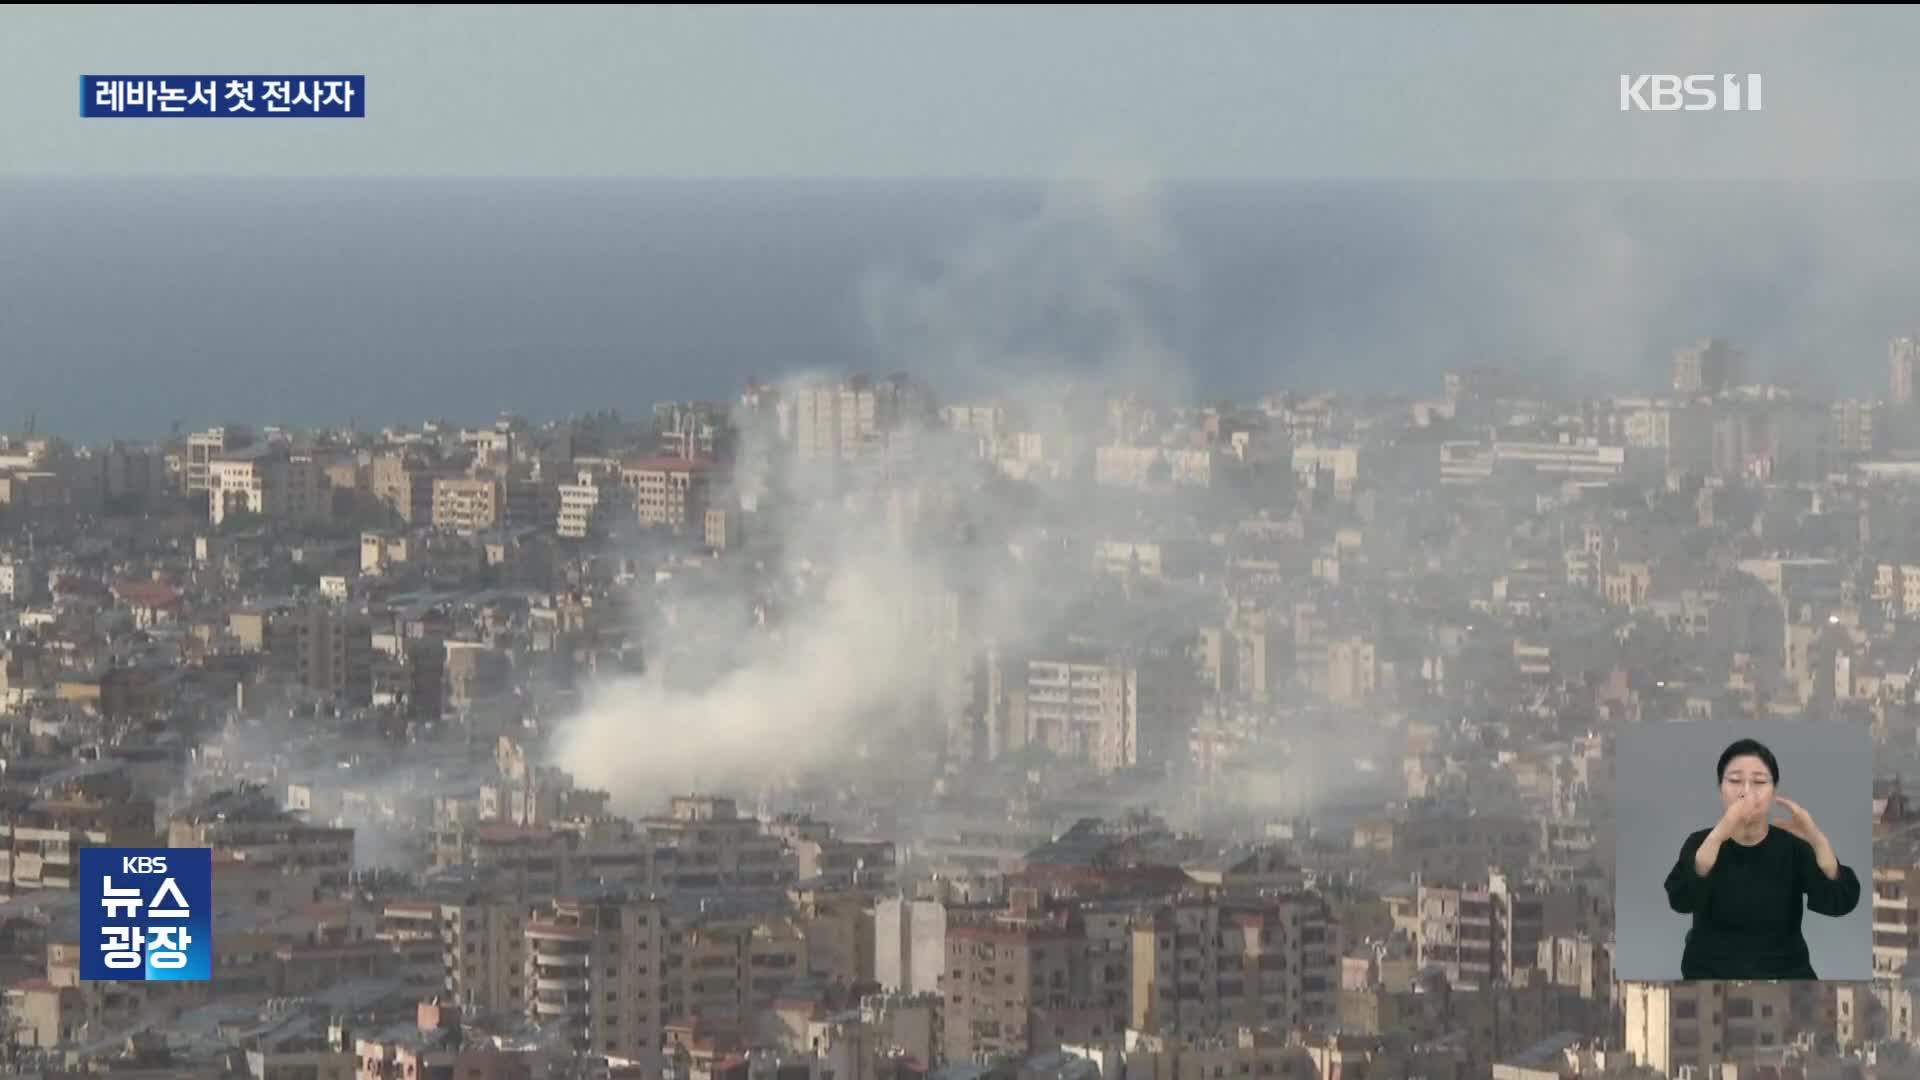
[958, 544]
[848, 641]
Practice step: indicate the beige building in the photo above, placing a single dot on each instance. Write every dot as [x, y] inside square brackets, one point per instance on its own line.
[1458, 934]
[1113, 714]
[597, 968]
[474, 672]
[1857, 428]
[436, 1049]
[1249, 1053]
[733, 969]
[1896, 920]
[709, 845]
[832, 862]
[669, 492]
[1710, 367]
[40, 846]
[1903, 354]
[1577, 962]
[205, 446]
[473, 944]
[21, 581]
[537, 860]
[468, 504]
[524, 860]
[1479, 936]
[45, 1014]
[414, 932]
[1203, 968]
[1896, 587]
[1327, 467]
[303, 1059]
[613, 970]
[1352, 672]
[1149, 558]
[333, 651]
[1002, 974]
[1258, 652]
[32, 490]
[838, 929]
[1670, 1025]
[485, 963]
[265, 480]
[248, 823]
[1152, 468]
[723, 529]
[378, 551]
[343, 474]
[590, 505]
[405, 485]
[1245, 657]
[855, 419]
[325, 647]
[1450, 846]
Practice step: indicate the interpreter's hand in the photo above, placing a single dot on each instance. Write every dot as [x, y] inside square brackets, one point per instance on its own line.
[1743, 813]
[1801, 823]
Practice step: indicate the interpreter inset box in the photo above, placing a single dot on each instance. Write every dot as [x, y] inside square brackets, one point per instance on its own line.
[1744, 851]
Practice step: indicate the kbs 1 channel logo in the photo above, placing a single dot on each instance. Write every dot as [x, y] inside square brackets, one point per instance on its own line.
[1690, 93]
[146, 914]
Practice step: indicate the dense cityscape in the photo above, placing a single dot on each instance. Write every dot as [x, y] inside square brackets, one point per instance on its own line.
[842, 731]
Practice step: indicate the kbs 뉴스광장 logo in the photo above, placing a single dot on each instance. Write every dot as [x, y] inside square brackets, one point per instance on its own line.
[146, 914]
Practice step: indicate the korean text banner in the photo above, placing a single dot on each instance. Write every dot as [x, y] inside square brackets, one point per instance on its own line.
[285, 96]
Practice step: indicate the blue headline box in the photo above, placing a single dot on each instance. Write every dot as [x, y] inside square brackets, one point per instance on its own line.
[146, 914]
[289, 96]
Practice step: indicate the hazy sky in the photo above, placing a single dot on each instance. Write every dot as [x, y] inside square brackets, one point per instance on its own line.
[838, 92]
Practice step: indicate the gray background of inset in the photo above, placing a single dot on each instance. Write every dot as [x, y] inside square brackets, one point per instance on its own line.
[1665, 788]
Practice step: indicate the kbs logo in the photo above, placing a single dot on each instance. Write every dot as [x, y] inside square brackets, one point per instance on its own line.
[1689, 93]
[146, 914]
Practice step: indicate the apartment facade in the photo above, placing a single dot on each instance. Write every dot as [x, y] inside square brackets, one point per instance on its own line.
[596, 968]
[1203, 967]
[1699, 1024]
[669, 492]
[266, 481]
[468, 505]
[999, 975]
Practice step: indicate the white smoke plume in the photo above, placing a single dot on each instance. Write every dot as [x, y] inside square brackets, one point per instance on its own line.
[844, 636]
[1026, 306]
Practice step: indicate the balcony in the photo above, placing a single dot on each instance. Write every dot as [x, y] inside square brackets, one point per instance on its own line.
[560, 1004]
[560, 984]
[546, 956]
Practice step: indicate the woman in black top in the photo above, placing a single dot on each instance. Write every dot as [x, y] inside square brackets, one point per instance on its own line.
[1746, 882]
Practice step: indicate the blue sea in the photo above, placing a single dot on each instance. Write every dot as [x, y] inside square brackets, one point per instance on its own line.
[134, 307]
